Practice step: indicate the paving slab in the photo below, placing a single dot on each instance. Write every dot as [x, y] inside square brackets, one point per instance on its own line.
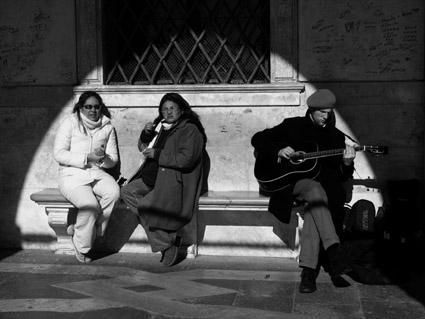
[40, 284]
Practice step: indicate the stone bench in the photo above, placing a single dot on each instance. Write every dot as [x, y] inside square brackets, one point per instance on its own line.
[234, 223]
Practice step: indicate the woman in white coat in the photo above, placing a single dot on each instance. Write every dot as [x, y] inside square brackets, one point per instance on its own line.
[85, 144]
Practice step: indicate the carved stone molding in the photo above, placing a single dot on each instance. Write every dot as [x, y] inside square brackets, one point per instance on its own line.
[58, 221]
[282, 94]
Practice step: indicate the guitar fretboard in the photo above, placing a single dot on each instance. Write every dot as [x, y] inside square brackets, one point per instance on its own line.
[326, 153]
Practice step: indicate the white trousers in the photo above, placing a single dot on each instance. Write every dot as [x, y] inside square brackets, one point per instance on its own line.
[94, 202]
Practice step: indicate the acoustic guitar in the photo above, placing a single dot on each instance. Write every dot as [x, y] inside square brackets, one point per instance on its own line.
[274, 173]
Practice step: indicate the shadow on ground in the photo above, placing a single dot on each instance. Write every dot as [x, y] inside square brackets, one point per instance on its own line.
[4, 253]
[377, 261]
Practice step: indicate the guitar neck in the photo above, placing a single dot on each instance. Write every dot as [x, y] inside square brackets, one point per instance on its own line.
[332, 152]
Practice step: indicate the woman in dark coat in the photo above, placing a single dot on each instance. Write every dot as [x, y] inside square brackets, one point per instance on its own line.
[165, 190]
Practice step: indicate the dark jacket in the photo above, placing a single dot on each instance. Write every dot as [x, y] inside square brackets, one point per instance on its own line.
[174, 199]
[295, 132]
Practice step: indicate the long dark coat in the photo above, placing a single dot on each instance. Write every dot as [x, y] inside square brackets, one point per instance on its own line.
[174, 199]
[294, 132]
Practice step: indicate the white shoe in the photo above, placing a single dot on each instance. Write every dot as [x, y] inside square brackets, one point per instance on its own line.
[70, 230]
[80, 257]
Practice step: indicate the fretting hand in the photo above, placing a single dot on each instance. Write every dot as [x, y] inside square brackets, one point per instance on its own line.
[349, 155]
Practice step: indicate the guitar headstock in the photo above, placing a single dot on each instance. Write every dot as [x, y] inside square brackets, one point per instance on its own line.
[377, 150]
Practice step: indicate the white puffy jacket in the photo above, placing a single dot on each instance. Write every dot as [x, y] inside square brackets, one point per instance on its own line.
[72, 145]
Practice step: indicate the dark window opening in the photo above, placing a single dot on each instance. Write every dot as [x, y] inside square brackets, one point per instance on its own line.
[186, 42]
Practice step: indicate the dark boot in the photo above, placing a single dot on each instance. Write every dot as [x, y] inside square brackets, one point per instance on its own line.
[338, 260]
[169, 256]
[174, 254]
[308, 280]
[339, 282]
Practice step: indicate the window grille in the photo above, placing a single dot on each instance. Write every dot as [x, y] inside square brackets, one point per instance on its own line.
[186, 42]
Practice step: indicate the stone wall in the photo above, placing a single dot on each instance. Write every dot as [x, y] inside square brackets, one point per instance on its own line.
[33, 101]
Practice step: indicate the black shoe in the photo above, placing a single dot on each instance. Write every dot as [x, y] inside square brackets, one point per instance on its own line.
[338, 261]
[308, 280]
[169, 256]
[339, 282]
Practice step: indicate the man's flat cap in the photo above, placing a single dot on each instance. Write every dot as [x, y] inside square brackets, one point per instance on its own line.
[322, 99]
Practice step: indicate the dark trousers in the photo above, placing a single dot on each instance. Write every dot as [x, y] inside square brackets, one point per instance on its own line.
[318, 227]
[131, 194]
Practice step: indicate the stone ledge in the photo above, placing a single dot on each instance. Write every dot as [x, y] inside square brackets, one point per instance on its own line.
[52, 196]
[234, 223]
[275, 94]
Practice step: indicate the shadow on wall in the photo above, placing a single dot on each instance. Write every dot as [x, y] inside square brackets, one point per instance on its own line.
[23, 128]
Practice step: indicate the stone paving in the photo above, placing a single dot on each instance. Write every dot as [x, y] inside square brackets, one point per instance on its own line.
[40, 284]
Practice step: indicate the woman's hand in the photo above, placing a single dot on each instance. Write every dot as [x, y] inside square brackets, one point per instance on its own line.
[149, 152]
[349, 155]
[148, 127]
[100, 151]
[94, 158]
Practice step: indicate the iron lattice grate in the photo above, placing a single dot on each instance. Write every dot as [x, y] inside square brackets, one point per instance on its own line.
[186, 41]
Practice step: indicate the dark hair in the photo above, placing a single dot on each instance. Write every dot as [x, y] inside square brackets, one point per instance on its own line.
[187, 112]
[331, 119]
[84, 97]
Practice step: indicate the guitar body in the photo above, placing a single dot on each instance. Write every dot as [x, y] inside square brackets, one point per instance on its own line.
[273, 176]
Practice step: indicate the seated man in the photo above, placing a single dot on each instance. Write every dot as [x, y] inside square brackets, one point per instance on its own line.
[317, 182]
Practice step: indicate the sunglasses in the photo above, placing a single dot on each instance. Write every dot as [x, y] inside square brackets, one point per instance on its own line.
[89, 106]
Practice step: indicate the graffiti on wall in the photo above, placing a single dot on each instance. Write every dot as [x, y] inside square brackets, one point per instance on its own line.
[362, 40]
[35, 47]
